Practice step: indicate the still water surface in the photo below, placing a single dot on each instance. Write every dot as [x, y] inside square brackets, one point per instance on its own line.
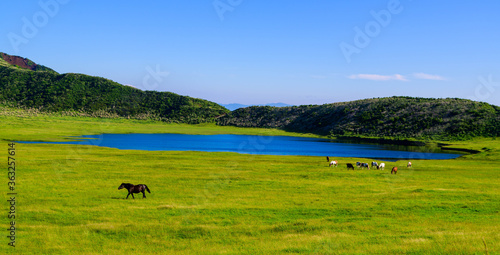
[266, 145]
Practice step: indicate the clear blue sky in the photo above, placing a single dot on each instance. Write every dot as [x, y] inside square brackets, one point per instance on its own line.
[255, 51]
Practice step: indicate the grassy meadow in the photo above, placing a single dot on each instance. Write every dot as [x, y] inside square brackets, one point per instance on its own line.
[229, 203]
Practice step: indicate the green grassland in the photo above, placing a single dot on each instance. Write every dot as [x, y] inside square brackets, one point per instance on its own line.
[229, 203]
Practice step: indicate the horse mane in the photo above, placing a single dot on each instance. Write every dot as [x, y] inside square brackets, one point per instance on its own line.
[127, 185]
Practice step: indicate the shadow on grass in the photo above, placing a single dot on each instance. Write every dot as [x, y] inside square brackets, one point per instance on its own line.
[119, 198]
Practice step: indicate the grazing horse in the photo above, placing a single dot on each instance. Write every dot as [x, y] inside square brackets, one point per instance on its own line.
[333, 163]
[374, 164]
[350, 166]
[381, 166]
[365, 165]
[409, 164]
[135, 189]
[394, 170]
[358, 164]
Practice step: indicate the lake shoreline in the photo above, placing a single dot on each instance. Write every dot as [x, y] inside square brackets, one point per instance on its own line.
[260, 145]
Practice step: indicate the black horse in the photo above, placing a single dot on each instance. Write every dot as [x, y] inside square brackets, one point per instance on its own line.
[135, 189]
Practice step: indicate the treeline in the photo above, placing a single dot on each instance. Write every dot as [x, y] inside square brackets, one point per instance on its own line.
[395, 117]
[53, 92]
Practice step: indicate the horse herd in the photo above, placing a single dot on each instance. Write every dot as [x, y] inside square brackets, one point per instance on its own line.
[365, 165]
[141, 188]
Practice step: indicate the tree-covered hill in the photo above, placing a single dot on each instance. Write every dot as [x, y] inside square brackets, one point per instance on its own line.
[396, 117]
[36, 86]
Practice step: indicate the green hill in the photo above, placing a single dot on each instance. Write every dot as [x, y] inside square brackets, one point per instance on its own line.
[395, 117]
[26, 84]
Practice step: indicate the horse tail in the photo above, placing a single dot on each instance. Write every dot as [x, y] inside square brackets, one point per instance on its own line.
[147, 188]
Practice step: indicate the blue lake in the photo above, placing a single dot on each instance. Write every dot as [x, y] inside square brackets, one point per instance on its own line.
[266, 145]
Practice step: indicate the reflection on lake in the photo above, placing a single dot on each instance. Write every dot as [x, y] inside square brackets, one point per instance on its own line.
[266, 145]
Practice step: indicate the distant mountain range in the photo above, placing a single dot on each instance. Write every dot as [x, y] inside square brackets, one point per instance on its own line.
[233, 107]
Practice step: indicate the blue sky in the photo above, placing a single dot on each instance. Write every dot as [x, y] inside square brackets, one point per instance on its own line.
[256, 52]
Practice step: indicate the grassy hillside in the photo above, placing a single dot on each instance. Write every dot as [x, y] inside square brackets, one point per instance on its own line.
[52, 92]
[395, 117]
[26, 84]
[226, 203]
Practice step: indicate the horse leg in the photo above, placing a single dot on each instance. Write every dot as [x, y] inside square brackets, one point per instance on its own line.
[128, 195]
[143, 194]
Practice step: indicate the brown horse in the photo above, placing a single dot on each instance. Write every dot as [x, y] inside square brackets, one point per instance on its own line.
[135, 189]
[394, 170]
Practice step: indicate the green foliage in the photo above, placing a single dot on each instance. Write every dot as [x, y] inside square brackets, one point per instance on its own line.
[395, 117]
[53, 92]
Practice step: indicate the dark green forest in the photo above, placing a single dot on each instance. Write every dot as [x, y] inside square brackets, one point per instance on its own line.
[394, 118]
[49, 91]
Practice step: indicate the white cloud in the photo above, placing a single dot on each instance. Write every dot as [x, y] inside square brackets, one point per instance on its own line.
[425, 76]
[378, 77]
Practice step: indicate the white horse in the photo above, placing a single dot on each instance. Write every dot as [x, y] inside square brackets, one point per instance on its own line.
[381, 166]
[333, 163]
